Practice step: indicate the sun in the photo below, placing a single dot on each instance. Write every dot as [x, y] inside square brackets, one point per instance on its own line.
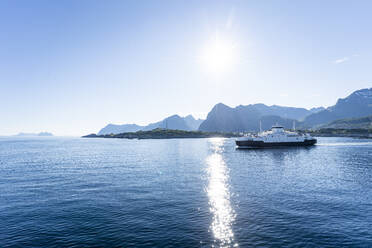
[219, 55]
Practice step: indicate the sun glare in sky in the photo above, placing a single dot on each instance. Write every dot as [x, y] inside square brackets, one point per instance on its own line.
[219, 55]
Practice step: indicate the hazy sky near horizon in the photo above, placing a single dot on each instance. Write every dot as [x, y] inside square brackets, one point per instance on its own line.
[71, 67]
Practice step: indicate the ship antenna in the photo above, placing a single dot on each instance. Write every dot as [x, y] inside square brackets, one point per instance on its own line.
[294, 125]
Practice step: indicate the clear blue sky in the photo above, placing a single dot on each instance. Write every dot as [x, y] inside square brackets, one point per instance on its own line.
[71, 67]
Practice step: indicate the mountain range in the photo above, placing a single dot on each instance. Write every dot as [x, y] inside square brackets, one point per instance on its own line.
[357, 104]
[188, 123]
[223, 118]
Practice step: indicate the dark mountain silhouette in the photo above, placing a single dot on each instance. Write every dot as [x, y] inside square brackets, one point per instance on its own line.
[356, 105]
[223, 118]
[284, 112]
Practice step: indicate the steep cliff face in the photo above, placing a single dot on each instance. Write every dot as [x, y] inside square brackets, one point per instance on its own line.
[358, 104]
[223, 118]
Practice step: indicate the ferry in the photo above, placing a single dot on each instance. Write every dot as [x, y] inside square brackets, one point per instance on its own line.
[276, 137]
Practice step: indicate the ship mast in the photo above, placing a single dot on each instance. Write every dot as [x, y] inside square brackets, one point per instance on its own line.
[260, 126]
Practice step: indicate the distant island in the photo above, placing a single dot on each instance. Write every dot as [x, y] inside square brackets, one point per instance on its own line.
[161, 133]
[41, 134]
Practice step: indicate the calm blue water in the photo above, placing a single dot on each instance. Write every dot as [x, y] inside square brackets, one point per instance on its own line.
[74, 192]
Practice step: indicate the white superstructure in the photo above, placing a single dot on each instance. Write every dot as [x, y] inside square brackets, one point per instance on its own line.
[276, 136]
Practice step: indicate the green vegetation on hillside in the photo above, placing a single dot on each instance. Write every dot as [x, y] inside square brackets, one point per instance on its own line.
[161, 133]
[351, 123]
[337, 132]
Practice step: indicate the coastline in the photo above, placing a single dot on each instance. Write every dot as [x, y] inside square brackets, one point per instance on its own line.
[164, 134]
[160, 133]
[349, 133]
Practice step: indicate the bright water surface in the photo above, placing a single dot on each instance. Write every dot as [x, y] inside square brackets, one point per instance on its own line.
[74, 192]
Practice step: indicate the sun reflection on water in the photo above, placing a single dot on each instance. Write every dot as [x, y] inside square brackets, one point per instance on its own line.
[219, 197]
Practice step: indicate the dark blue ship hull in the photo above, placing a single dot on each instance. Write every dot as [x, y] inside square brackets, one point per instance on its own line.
[252, 143]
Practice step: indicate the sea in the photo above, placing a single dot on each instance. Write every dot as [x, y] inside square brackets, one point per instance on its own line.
[92, 192]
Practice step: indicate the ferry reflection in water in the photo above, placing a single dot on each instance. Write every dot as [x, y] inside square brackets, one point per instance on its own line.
[219, 196]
